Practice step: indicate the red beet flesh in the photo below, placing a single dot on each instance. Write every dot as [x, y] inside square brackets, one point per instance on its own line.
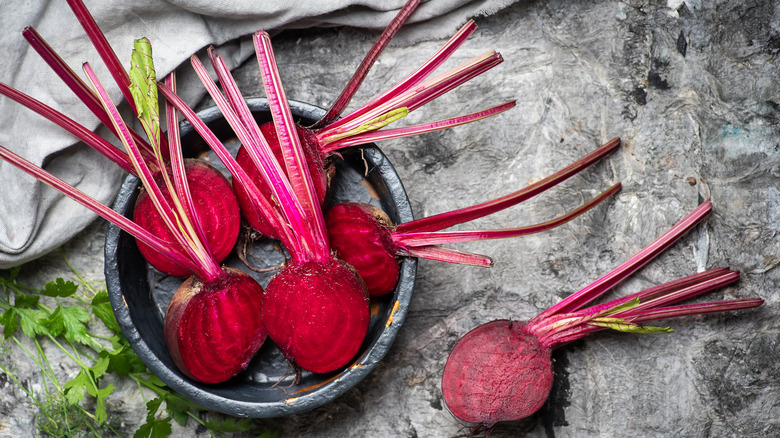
[213, 329]
[317, 314]
[497, 372]
[320, 168]
[215, 205]
[360, 235]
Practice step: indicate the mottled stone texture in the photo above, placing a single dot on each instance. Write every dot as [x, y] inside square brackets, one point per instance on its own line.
[693, 89]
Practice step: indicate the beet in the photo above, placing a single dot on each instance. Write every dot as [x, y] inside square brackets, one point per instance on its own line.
[212, 329]
[364, 241]
[217, 211]
[502, 370]
[518, 379]
[317, 313]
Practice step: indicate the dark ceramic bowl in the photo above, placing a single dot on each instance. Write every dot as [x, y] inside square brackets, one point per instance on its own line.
[139, 294]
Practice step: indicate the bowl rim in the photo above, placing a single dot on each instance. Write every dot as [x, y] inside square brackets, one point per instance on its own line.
[329, 389]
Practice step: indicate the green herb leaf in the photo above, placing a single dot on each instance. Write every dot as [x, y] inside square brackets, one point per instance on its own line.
[270, 433]
[124, 361]
[229, 424]
[154, 380]
[10, 322]
[101, 307]
[59, 288]
[69, 322]
[25, 300]
[178, 406]
[9, 282]
[154, 428]
[101, 415]
[100, 367]
[74, 389]
[33, 321]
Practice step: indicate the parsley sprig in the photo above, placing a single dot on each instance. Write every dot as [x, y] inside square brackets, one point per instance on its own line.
[65, 314]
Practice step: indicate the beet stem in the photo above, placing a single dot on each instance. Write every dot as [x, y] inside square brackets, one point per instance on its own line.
[207, 269]
[107, 54]
[143, 87]
[224, 156]
[415, 97]
[256, 145]
[386, 134]
[104, 49]
[437, 238]
[690, 283]
[699, 309]
[448, 255]
[90, 138]
[110, 215]
[602, 285]
[178, 169]
[74, 82]
[361, 72]
[570, 325]
[418, 75]
[313, 231]
[449, 219]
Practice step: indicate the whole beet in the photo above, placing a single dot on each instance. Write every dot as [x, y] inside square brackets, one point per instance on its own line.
[360, 235]
[217, 209]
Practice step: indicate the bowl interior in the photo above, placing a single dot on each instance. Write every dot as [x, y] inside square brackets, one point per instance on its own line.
[139, 294]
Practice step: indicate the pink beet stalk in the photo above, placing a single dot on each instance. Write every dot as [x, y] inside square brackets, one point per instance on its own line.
[79, 131]
[104, 49]
[363, 236]
[72, 80]
[361, 72]
[126, 224]
[209, 269]
[502, 370]
[462, 215]
[439, 238]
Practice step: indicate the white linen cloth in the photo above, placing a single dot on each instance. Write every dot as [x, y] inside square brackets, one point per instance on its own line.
[34, 218]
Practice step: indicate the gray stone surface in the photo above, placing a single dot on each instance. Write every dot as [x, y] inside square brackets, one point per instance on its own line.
[692, 89]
